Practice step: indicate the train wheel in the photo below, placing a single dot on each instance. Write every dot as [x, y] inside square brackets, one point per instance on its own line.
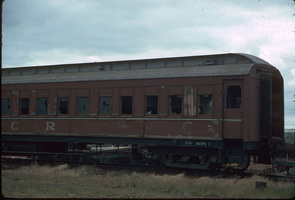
[246, 164]
[185, 161]
[239, 169]
[72, 144]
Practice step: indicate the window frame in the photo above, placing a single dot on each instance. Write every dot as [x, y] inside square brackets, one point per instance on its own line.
[38, 106]
[100, 103]
[207, 105]
[21, 108]
[78, 106]
[146, 105]
[236, 100]
[129, 107]
[171, 108]
[8, 105]
[58, 105]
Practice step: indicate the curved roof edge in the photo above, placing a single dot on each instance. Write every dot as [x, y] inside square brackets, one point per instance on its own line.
[255, 59]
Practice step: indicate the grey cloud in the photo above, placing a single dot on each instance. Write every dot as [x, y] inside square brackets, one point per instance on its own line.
[114, 27]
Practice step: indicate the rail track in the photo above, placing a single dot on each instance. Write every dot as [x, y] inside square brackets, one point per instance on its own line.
[119, 159]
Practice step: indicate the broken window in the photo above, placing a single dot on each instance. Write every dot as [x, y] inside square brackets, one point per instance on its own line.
[42, 106]
[175, 104]
[126, 105]
[24, 106]
[5, 106]
[233, 98]
[105, 105]
[82, 105]
[205, 104]
[151, 105]
[63, 104]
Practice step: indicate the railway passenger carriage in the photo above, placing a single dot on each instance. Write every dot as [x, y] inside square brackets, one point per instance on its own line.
[198, 112]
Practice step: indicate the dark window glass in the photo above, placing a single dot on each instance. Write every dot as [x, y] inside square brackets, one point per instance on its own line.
[151, 105]
[63, 105]
[24, 106]
[205, 104]
[105, 105]
[126, 105]
[42, 106]
[82, 105]
[5, 106]
[175, 104]
[233, 97]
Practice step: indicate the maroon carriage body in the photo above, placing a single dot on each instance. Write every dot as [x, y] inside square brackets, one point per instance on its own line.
[227, 97]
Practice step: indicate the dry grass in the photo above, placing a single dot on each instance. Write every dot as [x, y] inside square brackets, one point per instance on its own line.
[88, 182]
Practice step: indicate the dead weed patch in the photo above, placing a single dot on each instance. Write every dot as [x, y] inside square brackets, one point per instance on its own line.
[89, 182]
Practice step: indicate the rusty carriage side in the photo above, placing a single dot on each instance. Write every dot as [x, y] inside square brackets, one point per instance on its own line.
[195, 112]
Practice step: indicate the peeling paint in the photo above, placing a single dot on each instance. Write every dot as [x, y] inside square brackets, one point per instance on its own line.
[15, 92]
[210, 128]
[149, 127]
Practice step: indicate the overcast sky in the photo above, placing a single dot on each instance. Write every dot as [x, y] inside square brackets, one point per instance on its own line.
[42, 32]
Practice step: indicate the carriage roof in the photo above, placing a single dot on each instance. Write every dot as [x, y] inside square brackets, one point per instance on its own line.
[190, 66]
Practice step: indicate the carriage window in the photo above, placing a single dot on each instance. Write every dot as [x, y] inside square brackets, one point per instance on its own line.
[82, 105]
[105, 105]
[5, 106]
[63, 104]
[24, 106]
[205, 104]
[42, 106]
[151, 105]
[233, 98]
[126, 105]
[175, 104]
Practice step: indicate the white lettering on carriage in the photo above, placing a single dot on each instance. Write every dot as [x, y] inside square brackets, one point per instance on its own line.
[14, 126]
[50, 126]
[187, 129]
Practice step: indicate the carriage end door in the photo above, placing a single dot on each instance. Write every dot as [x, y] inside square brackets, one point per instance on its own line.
[232, 107]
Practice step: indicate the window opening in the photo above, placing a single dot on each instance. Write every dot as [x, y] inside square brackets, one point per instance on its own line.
[82, 105]
[175, 104]
[24, 106]
[233, 98]
[126, 104]
[151, 105]
[205, 104]
[42, 106]
[63, 104]
[105, 105]
[5, 105]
